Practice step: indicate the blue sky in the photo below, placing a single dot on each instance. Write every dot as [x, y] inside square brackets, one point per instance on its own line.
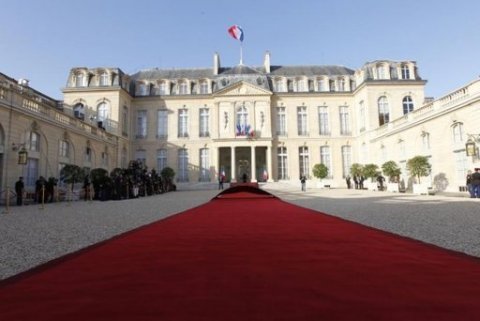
[42, 40]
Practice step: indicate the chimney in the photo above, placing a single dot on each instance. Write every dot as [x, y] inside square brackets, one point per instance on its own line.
[266, 62]
[216, 63]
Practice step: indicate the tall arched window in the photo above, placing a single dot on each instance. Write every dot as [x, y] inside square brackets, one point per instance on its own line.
[303, 158]
[282, 163]
[242, 121]
[407, 104]
[383, 111]
[457, 131]
[79, 111]
[102, 112]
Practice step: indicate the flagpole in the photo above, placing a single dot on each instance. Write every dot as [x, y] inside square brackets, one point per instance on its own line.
[241, 52]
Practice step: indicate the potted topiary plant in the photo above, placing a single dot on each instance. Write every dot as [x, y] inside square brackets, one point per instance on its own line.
[392, 171]
[418, 167]
[320, 171]
[371, 171]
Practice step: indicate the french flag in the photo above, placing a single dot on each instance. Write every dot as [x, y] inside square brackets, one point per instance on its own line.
[236, 32]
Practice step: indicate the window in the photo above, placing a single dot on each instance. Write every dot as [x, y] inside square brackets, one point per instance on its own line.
[381, 72]
[161, 159]
[364, 153]
[102, 112]
[383, 112]
[402, 149]
[104, 159]
[183, 88]
[405, 72]
[182, 165]
[142, 89]
[383, 154]
[325, 158]
[331, 84]
[281, 121]
[162, 123]
[88, 155]
[304, 165]
[341, 84]
[344, 121]
[302, 121]
[123, 161]
[162, 88]
[425, 142]
[279, 85]
[141, 124]
[63, 149]
[31, 170]
[461, 166]
[282, 163]
[103, 79]
[346, 160]
[141, 156]
[407, 104]
[79, 111]
[79, 80]
[323, 126]
[204, 87]
[125, 121]
[34, 142]
[300, 84]
[322, 84]
[243, 128]
[362, 118]
[182, 123]
[457, 130]
[204, 120]
[204, 165]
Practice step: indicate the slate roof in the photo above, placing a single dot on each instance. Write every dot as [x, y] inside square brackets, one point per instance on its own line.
[199, 73]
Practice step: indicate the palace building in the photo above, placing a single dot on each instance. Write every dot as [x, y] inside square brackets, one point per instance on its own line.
[268, 122]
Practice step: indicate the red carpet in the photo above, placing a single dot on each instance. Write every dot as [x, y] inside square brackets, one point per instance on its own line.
[250, 258]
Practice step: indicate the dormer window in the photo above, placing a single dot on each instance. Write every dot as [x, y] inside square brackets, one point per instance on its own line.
[322, 84]
[203, 87]
[79, 80]
[103, 79]
[162, 88]
[405, 72]
[142, 89]
[279, 85]
[183, 88]
[381, 72]
[341, 84]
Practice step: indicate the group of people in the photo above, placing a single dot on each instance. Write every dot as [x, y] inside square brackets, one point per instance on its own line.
[44, 190]
[473, 183]
[358, 181]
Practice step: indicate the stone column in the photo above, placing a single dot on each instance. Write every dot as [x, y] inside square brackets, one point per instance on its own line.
[232, 165]
[269, 163]
[254, 165]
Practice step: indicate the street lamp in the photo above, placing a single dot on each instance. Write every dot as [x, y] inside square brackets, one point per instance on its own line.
[470, 147]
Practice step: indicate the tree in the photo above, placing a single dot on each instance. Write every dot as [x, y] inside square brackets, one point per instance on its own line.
[356, 170]
[370, 171]
[72, 174]
[419, 166]
[167, 175]
[392, 171]
[320, 171]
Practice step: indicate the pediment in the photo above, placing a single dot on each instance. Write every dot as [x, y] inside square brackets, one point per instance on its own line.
[243, 88]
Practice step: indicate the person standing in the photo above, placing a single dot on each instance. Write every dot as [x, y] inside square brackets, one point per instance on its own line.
[19, 189]
[220, 182]
[349, 182]
[476, 183]
[303, 181]
[469, 184]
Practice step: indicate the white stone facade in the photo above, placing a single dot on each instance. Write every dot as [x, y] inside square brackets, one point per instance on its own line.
[268, 122]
